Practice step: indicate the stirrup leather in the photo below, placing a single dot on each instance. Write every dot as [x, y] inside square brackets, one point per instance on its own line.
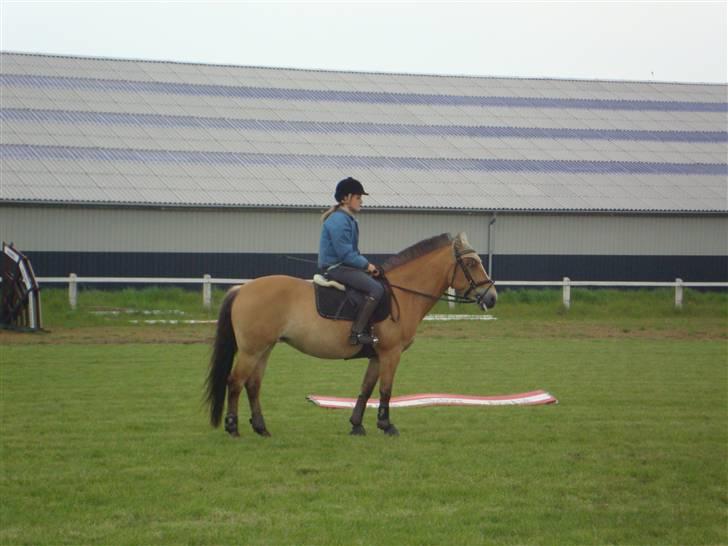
[360, 332]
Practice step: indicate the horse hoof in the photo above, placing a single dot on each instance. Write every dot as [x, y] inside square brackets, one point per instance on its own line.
[231, 425]
[390, 430]
[258, 426]
[358, 430]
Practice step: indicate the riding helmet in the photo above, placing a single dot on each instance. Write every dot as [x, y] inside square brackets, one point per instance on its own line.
[347, 186]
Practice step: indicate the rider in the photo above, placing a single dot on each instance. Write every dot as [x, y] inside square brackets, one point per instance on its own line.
[339, 256]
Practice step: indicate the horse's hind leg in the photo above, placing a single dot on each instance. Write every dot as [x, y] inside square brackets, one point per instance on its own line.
[367, 386]
[239, 375]
[252, 386]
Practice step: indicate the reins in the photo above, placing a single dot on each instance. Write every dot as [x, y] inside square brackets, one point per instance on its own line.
[442, 297]
[452, 297]
[446, 297]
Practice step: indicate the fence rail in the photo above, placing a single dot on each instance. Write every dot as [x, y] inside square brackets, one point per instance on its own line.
[207, 281]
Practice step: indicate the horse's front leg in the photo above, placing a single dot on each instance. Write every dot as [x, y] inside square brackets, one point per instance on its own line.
[367, 386]
[387, 368]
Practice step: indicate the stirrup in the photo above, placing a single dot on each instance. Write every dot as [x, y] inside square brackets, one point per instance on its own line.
[363, 338]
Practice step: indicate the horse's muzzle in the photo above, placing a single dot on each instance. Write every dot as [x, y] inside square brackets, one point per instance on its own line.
[487, 300]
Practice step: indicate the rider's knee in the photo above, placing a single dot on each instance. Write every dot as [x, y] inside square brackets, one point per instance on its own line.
[376, 291]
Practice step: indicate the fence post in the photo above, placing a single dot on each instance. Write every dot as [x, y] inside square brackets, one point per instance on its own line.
[72, 291]
[206, 291]
[678, 293]
[567, 293]
[451, 303]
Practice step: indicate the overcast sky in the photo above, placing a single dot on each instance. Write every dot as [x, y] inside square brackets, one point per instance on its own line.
[661, 41]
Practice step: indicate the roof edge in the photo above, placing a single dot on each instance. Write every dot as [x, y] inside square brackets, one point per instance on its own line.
[412, 210]
[363, 72]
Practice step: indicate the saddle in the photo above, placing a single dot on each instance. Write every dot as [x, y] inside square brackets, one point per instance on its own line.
[338, 302]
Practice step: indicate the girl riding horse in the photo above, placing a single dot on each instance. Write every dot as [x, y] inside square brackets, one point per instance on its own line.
[339, 258]
[255, 316]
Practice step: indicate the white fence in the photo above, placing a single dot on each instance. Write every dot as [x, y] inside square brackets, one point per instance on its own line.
[567, 283]
[207, 281]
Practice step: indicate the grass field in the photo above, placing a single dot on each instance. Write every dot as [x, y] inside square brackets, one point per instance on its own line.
[634, 308]
[104, 439]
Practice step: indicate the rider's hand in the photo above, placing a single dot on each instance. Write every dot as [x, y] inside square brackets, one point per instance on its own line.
[372, 270]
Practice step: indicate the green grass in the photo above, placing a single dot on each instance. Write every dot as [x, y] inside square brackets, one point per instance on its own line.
[181, 304]
[108, 444]
[105, 307]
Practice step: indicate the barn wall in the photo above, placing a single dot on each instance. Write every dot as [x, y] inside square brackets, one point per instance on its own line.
[247, 243]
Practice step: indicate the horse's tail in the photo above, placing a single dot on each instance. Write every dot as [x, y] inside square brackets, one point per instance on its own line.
[221, 362]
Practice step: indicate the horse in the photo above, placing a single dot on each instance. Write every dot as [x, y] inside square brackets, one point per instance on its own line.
[255, 316]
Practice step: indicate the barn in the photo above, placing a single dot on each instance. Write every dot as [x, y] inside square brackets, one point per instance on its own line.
[114, 167]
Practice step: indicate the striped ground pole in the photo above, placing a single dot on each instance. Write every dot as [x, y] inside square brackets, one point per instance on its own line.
[533, 398]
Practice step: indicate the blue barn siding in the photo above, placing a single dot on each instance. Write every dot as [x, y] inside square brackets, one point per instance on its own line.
[250, 265]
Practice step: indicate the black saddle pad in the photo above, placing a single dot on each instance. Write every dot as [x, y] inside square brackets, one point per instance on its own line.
[335, 304]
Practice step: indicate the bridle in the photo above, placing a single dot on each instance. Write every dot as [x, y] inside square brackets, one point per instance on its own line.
[474, 285]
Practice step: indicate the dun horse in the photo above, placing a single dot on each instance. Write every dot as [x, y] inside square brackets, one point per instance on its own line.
[257, 315]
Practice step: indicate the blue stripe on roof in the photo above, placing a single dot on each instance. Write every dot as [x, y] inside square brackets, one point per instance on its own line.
[26, 151]
[98, 84]
[481, 131]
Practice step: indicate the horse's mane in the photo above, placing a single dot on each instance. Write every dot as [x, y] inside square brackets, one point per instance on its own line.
[416, 250]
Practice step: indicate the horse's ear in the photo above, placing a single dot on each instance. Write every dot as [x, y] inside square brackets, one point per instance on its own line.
[461, 241]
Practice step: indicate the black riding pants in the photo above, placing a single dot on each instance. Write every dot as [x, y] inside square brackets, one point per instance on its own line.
[357, 279]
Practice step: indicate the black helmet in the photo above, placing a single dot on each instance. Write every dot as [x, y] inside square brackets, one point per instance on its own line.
[347, 186]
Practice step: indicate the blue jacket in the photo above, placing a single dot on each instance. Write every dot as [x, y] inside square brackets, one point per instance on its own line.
[340, 242]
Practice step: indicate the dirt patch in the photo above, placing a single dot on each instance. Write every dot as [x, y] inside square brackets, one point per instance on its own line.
[681, 329]
[193, 333]
[676, 329]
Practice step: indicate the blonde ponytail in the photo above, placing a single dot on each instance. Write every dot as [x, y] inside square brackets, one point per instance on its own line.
[330, 212]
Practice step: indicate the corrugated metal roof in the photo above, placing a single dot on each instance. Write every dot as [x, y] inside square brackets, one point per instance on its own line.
[117, 132]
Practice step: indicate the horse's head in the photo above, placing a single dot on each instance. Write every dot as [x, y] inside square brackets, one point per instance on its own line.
[469, 277]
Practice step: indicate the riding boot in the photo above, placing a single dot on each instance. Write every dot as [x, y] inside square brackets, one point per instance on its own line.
[359, 332]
